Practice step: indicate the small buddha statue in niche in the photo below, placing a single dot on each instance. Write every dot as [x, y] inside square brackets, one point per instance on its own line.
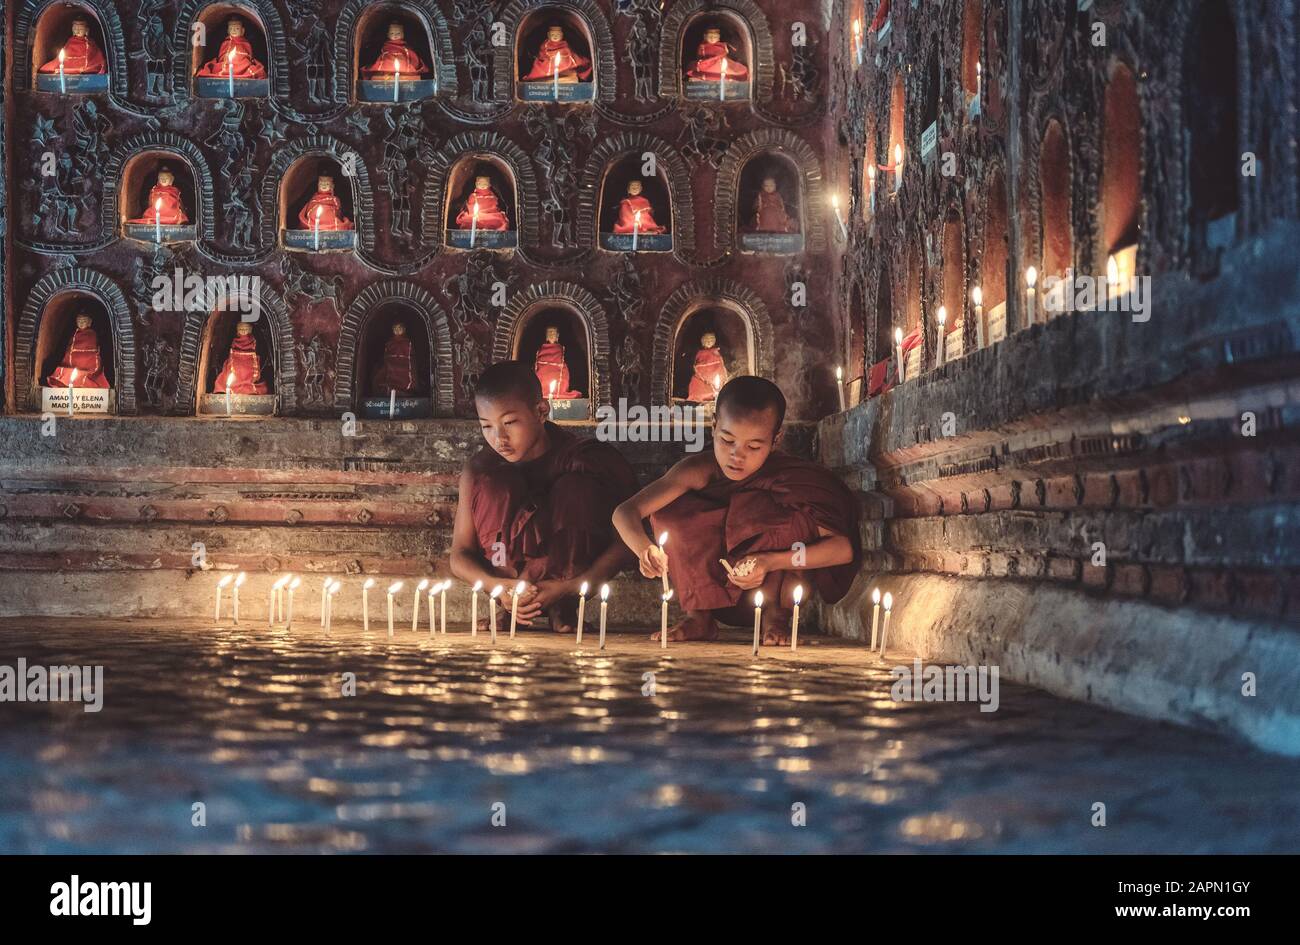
[491, 215]
[635, 213]
[710, 371]
[243, 368]
[324, 210]
[396, 56]
[164, 202]
[552, 369]
[556, 56]
[82, 358]
[710, 57]
[235, 57]
[80, 54]
[769, 210]
[397, 373]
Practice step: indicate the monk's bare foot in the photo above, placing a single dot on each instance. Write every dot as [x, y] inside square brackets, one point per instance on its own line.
[695, 626]
[563, 619]
[775, 627]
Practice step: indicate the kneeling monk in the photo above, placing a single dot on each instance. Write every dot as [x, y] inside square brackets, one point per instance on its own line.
[745, 502]
[535, 503]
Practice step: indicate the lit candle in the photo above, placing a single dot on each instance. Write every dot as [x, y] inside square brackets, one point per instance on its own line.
[636, 228]
[898, 347]
[1112, 278]
[238, 581]
[977, 297]
[288, 579]
[433, 614]
[942, 315]
[898, 167]
[397, 78]
[442, 607]
[835, 206]
[839, 385]
[273, 599]
[392, 589]
[365, 603]
[758, 617]
[550, 395]
[230, 380]
[884, 633]
[663, 540]
[473, 608]
[63, 81]
[514, 607]
[857, 40]
[392, 403]
[794, 618]
[871, 188]
[604, 603]
[221, 585]
[72, 391]
[582, 609]
[334, 589]
[492, 613]
[324, 593]
[1031, 279]
[663, 621]
[157, 220]
[293, 586]
[473, 223]
[875, 616]
[556, 68]
[316, 228]
[230, 66]
[979, 75]
[415, 606]
[722, 85]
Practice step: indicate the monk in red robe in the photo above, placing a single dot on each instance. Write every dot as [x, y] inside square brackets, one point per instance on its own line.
[551, 368]
[242, 372]
[535, 503]
[80, 56]
[484, 199]
[324, 210]
[710, 371]
[164, 203]
[556, 56]
[397, 373]
[711, 55]
[82, 357]
[396, 56]
[769, 211]
[779, 521]
[635, 213]
[236, 56]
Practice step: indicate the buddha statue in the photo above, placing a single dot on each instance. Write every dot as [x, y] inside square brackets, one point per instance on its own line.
[324, 211]
[80, 54]
[769, 211]
[82, 359]
[164, 202]
[710, 371]
[397, 372]
[635, 213]
[554, 57]
[552, 369]
[242, 372]
[396, 57]
[483, 200]
[235, 58]
[711, 57]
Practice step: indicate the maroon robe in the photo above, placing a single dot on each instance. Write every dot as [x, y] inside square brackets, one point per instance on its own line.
[490, 214]
[398, 370]
[627, 220]
[571, 64]
[331, 217]
[553, 514]
[784, 502]
[243, 65]
[550, 366]
[80, 57]
[708, 66]
[171, 212]
[770, 215]
[246, 366]
[708, 377]
[410, 65]
[82, 356]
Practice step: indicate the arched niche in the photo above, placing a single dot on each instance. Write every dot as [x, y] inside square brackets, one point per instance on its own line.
[972, 72]
[137, 198]
[913, 312]
[695, 379]
[1209, 108]
[531, 333]
[1057, 248]
[401, 378]
[770, 222]
[870, 178]
[896, 153]
[620, 229]
[215, 19]
[55, 341]
[677, 45]
[462, 230]
[218, 335]
[799, 178]
[883, 373]
[53, 32]
[931, 101]
[473, 146]
[953, 288]
[535, 69]
[1121, 200]
[298, 187]
[123, 199]
[991, 312]
[857, 369]
[349, 35]
[708, 71]
[369, 40]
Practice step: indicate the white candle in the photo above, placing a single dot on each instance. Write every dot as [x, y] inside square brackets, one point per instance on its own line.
[392, 403]
[550, 396]
[898, 167]
[324, 593]
[514, 607]
[794, 619]
[604, 602]
[334, 589]
[397, 78]
[977, 297]
[835, 206]
[556, 68]
[492, 613]
[839, 386]
[293, 586]
[392, 589]
[663, 622]
[942, 315]
[871, 188]
[442, 607]
[582, 609]
[238, 581]
[857, 42]
[722, 84]
[1112, 278]
[157, 220]
[433, 614]
[758, 617]
[1031, 279]
[316, 228]
[230, 380]
[221, 585]
[273, 599]
[473, 223]
[365, 603]
[230, 65]
[72, 391]
[473, 608]
[63, 81]
[636, 228]
[884, 633]
[898, 347]
[875, 616]
[663, 540]
[415, 606]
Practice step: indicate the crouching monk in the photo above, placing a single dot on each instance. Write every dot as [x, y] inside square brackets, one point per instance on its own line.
[536, 503]
[778, 520]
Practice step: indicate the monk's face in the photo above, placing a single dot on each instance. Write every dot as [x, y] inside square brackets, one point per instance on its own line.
[235, 28]
[742, 442]
[634, 188]
[325, 184]
[165, 178]
[553, 335]
[243, 328]
[708, 339]
[555, 34]
[83, 322]
[513, 427]
[80, 28]
[482, 183]
[396, 31]
[769, 185]
[713, 36]
[399, 329]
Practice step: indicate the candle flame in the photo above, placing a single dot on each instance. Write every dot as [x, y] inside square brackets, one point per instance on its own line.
[875, 595]
[62, 53]
[519, 588]
[496, 592]
[835, 201]
[977, 295]
[898, 154]
[225, 580]
[422, 585]
[583, 590]
[839, 374]
[668, 596]
[240, 580]
[475, 210]
[663, 539]
[230, 380]
[604, 592]
[280, 583]
[319, 211]
[230, 56]
[294, 583]
[478, 586]
[889, 602]
[395, 587]
[157, 205]
[871, 173]
[857, 26]
[370, 582]
[758, 599]
[334, 588]
[553, 385]
[898, 336]
[943, 315]
[798, 593]
[73, 382]
[1112, 271]
[1031, 276]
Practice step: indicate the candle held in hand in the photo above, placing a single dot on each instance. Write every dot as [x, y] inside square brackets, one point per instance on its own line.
[663, 622]
[663, 540]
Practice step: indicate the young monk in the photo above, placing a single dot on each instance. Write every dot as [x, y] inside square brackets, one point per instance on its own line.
[535, 503]
[745, 501]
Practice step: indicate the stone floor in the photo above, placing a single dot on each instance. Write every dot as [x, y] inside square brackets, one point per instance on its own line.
[584, 757]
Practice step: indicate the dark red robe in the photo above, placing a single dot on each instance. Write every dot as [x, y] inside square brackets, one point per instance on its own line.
[552, 514]
[784, 502]
[397, 373]
[411, 66]
[882, 14]
[770, 215]
[709, 368]
[80, 57]
[708, 65]
[550, 366]
[627, 222]
[171, 214]
[571, 64]
[331, 217]
[490, 214]
[83, 356]
[243, 65]
[246, 366]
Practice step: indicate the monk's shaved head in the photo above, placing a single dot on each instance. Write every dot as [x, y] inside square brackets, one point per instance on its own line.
[513, 380]
[747, 395]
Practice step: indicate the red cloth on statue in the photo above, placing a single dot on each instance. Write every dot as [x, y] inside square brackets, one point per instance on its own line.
[709, 64]
[553, 514]
[770, 215]
[397, 373]
[881, 377]
[571, 64]
[247, 368]
[396, 51]
[490, 214]
[785, 502]
[882, 14]
[911, 340]
[171, 214]
[330, 219]
[550, 366]
[244, 65]
[80, 57]
[627, 210]
[709, 376]
[83, 356]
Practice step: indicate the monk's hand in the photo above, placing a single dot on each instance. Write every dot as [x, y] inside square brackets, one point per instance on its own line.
[746, 575]
[551, 592]
[654, 561]
[529, 607]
